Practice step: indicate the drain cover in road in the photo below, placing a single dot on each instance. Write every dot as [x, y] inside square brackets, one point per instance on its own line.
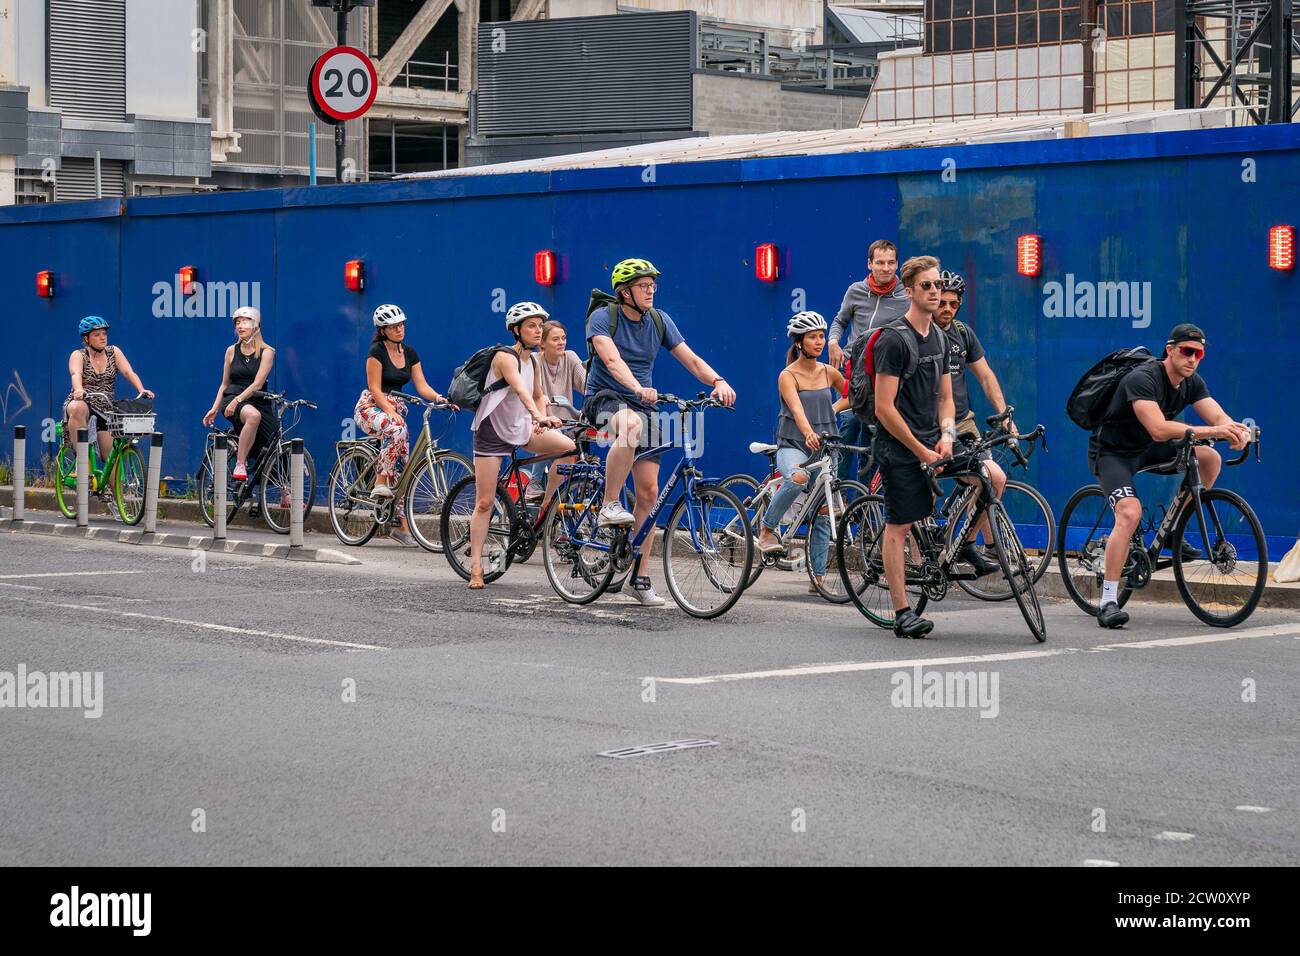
[657, 748]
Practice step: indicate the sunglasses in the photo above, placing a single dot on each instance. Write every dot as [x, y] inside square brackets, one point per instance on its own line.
[1190, 351]
[928, 284]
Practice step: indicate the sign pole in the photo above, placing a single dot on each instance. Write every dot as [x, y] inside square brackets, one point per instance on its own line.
[340, 136]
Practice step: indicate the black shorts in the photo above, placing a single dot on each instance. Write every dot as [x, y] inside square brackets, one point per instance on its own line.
[1115, 472]
[488, 444]
[598, 409]
[906, 491]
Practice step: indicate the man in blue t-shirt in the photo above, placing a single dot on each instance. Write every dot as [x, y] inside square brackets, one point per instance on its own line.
[620, 396]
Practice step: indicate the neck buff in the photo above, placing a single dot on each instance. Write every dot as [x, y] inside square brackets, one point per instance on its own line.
[881, 289]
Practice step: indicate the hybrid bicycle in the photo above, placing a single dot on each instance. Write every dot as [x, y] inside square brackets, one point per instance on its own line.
[122, 474]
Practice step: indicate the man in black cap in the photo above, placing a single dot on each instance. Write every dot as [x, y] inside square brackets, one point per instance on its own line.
[1139, 431]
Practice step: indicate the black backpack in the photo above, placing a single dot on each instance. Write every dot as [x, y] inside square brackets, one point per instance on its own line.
[466, 389]
[599, 298]
[862, 366]
[1091, 397]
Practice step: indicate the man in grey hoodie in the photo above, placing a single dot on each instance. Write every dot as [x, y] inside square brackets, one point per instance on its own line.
[875, 301]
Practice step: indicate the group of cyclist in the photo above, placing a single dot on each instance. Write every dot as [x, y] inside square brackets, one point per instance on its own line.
[921, 406]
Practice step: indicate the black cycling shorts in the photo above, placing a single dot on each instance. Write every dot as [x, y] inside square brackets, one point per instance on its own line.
[907, 493]
[1115, 472]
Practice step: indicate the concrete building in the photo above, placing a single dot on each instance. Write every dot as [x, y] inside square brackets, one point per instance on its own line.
[99, 98]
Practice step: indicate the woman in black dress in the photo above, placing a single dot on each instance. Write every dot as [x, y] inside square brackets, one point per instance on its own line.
[247, 366]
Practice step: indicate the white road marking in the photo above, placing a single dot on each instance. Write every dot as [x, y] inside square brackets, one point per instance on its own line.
[225, 628]
[1175, 836]
[64, 574]
[25, 587]
[1100, 863]
[1250, 809]
[805, 670]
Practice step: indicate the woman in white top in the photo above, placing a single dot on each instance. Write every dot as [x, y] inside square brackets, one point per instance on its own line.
[509, 418]
[562, 374]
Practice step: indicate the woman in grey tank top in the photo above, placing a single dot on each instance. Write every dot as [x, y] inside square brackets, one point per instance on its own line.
[811, 394]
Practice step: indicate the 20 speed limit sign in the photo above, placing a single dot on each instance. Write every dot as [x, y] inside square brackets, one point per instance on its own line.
[343, 84]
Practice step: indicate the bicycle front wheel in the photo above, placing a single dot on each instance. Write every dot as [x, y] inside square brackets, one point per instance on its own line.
[128, 485]
[352, 512]
[830, 583]
[456, 515]
[277, 491]
[704, 566]
[1036, 526]
[426, 493]
[65, 480]
[576, 552]
[1017, 568]
[1224, 585]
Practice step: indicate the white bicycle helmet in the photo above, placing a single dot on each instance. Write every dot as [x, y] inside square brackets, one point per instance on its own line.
[524, 310]
[805, 322]
[388, 315]
[248, 312]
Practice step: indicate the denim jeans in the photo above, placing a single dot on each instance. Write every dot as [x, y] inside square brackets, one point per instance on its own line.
[819, 543]
[854, 432]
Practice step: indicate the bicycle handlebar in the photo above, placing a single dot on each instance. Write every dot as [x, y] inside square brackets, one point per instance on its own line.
[1190, 441]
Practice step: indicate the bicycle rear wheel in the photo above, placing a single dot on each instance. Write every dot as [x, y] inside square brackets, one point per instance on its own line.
[128, 485]
[1017, 568]
[1081, 548]
[352, 512]
[706, 567]
[745, 488]
[1037, 528]
[207, 491]
[860, 560]
[426, 493]
[65, 480]
[1224, 586]
[277, 492]
[575, 551]
[456, 516]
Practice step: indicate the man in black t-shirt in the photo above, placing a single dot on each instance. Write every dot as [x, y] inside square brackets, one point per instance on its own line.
[1139, 431]
[915, 413]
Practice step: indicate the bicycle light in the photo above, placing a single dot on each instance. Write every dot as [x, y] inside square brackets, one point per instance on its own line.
[1281, 248]
[1029, 255]
[354, 275]
[45, 284]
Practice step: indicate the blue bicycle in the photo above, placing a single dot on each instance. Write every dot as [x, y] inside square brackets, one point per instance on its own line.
[707, 542]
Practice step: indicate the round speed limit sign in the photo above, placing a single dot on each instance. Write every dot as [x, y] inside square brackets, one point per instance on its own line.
[343, 83]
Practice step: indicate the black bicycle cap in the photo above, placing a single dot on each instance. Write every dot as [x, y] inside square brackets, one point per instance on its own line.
[1186, 332]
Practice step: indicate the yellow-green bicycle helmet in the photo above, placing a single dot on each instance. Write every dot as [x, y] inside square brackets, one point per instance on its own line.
[630, 269]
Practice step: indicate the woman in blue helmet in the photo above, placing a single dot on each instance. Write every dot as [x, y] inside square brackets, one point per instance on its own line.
[93, 369]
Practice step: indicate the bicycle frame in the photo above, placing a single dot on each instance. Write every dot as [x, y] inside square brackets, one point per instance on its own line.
[822, 482]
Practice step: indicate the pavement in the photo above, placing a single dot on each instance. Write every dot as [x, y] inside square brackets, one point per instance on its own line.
[261, 711]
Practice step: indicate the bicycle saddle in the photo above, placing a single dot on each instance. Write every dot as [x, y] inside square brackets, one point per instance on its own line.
[762, 448]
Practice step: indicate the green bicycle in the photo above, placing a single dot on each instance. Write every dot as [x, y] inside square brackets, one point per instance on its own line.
[122, 474]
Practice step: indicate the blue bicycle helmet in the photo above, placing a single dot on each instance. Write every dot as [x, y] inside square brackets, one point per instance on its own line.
[90, 323]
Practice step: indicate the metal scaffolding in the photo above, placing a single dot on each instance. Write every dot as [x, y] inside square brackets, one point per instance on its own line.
[1253, 61]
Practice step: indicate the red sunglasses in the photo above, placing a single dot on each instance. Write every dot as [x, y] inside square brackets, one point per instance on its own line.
[1189, 351]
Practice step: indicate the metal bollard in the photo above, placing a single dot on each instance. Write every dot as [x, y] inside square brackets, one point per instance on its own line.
[83, 478]
[151, 489]
[295, 494]
[219, 488]
[20, 470]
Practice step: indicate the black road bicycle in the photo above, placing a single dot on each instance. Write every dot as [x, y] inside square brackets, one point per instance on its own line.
[1217, 548]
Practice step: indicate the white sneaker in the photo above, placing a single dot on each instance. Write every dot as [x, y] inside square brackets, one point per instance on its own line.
[614, 515]
[381, 490]
[644, 593]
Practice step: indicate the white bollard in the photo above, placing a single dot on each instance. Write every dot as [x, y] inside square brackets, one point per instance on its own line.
[83, 478]
[219, 464]
[20, 470]
[151, 489]
[295, 494]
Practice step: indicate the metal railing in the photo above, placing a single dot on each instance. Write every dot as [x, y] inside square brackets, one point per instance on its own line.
[429, 76]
